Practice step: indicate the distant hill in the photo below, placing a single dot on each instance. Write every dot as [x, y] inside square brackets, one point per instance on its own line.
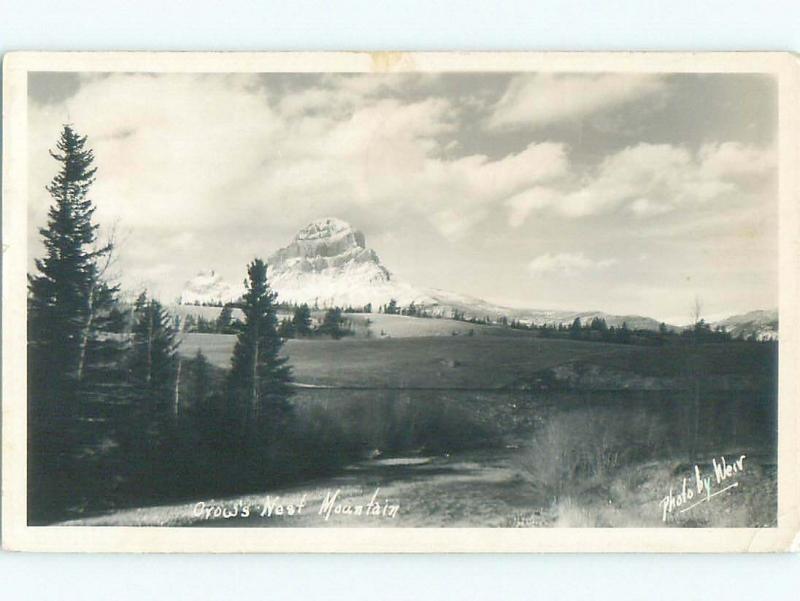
[763, 324]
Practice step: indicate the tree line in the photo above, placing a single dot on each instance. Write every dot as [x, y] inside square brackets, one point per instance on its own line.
[598, 330]
[299, 325]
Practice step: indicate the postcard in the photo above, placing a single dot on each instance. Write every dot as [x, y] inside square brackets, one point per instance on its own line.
[400, 302]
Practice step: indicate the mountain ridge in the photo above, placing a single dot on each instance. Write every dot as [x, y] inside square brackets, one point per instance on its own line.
[327, 264]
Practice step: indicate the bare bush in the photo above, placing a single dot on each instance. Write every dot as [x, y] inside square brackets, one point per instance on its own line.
[577, 450]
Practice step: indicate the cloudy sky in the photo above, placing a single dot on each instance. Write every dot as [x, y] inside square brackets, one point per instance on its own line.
[615, 192]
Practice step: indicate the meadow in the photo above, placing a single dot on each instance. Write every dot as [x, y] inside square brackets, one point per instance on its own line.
[436, 362]
[492, 357]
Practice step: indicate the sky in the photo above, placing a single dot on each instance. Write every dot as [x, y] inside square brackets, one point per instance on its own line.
[626, 193]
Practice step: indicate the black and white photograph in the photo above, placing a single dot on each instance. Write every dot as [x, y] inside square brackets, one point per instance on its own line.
[399, 297]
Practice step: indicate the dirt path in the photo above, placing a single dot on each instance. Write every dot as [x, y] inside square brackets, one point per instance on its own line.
[484, 488]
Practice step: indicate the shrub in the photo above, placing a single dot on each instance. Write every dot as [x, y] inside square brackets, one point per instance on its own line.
[575, 450]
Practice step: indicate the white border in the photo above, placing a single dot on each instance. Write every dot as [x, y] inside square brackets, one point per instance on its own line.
[18, 536]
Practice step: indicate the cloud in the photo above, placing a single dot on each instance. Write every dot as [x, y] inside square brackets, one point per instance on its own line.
[340, 94]
[542, 98]
[206, 171]
[177, 148]
[459, 193]
[536, 198]
[735, 160]
[568, 264]
[647, 180]
[222, 154]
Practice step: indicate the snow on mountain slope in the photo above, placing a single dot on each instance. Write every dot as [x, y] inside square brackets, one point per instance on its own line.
[328, 264]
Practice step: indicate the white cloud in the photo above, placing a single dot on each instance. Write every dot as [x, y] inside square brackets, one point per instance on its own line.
[644, 207]
[459, 193]
[522, 204]
[735, 160]
[566, 264]
[648, 180]
[541, 98]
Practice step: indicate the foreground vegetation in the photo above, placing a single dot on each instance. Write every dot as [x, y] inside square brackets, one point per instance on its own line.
[567, 466]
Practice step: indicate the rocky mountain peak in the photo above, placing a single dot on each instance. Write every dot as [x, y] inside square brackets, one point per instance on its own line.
[328, 228]
[324, 245]
[326, 238]
[328, 263]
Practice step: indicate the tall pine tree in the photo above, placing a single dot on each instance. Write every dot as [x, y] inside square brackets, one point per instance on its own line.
[68, 298]
[259, 378]
[73, 355]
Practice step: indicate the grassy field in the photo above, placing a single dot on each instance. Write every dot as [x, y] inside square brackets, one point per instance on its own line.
[374, 325]
[216, 347]
[395, 350]
[436, 362]
[380, 325]
[484, 361]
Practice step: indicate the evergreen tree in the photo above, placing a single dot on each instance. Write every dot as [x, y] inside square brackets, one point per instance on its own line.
[205, 326]
[575, 329]
[225, 320]
[154, 353]
[701, 330]
[332, 324]
[301, 320]
[68, 294]
[286, 328]
[623, 333]
[259, 377]
[189, 323]
[73, 362]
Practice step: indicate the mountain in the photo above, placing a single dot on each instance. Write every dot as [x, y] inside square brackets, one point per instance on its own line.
[328, 263]
[761, 324]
